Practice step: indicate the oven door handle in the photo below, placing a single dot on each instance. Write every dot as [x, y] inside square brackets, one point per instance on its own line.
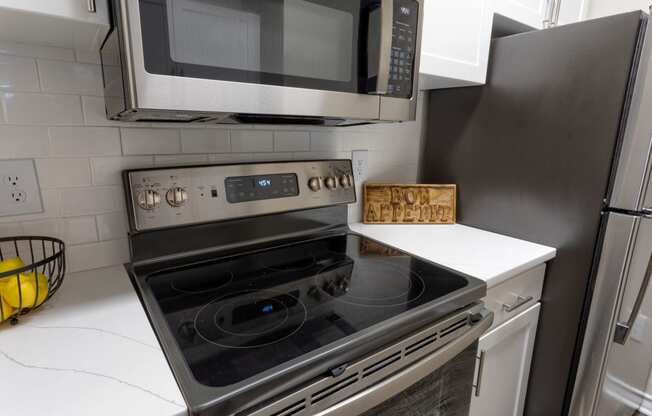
[385, 51]
[378, 393]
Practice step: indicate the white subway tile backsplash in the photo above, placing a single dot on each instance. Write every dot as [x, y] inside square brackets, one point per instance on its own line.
[205, 141]
[112, 226]
[88, 57]
[96, 255]
[51, 208]
[11, 230]
[108, 170]
[79, 230]
[85, 141]
[88, 201]
[50, 109]
[244, 141]
[36, 51]
[95, 112]
[24, 141]
[269, 157]
[70, 77]
[43, 228]
[150, 141]
[225, 158]
[171, 160]
[60, 173]
[291, 141]
[18, 74]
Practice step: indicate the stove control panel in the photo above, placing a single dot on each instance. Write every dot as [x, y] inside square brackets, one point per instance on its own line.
[169, 197]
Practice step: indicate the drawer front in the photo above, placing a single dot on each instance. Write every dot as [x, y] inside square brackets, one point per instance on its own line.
[512, 297]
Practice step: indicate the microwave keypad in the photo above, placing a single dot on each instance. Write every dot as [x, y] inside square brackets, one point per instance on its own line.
[403, 46]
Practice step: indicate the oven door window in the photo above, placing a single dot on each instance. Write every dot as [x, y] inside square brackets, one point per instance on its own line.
[445, 392]
[299, 43]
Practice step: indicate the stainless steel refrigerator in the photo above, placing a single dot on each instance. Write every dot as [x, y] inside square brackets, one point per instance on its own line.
[555, 149]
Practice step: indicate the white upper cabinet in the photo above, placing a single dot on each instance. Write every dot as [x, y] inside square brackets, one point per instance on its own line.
[78, 24]
[455, 43]
[528, 12]
[572, 11]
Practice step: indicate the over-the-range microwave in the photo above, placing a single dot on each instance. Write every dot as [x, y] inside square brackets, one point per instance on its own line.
[323, 62]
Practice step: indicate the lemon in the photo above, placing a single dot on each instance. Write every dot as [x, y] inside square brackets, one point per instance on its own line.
[6, 310]
[10, 264]
[22, 292]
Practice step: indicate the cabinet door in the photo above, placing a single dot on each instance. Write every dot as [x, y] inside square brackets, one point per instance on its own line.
[572, 11]
[502, 374]
[66, 23]
[455, 43]
[528, 12]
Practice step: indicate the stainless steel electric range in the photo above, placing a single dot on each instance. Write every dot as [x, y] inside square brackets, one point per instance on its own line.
[266, 304]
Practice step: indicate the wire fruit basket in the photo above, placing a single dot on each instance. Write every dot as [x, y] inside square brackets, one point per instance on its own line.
[31, 271]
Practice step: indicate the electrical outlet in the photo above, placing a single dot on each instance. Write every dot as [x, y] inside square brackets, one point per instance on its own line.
[19, 189]
[360, 161]
[19, 196]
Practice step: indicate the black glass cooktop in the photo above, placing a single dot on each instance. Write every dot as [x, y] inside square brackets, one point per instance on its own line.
[237, 317]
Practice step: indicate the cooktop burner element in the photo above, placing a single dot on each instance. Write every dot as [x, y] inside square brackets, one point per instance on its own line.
[250, 319]
[269, 314]
[400, 285]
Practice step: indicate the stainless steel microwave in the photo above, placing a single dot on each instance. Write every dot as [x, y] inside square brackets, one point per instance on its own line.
[322, 62]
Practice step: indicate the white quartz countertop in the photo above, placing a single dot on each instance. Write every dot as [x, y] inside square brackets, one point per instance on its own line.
[488, 256]
[89, 351]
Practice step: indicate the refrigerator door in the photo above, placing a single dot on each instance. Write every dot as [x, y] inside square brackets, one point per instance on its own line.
[632, 176]
[616, 355]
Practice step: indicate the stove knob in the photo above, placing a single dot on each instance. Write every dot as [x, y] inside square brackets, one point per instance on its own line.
[345, 181]
[314, 184]
[331, 182]
[148, 199]
[176, 196]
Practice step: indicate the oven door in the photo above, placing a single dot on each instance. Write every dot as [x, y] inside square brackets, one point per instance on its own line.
[438, 385]
[437, 381]
[222, 56]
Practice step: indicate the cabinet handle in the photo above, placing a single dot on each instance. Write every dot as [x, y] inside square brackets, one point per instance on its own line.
[555, 12]
[520, 301]
[623, 329]
[92, 8]
[478, 383]
[551, 17]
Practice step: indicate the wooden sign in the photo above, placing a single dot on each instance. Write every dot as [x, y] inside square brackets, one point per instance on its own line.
[409, 204]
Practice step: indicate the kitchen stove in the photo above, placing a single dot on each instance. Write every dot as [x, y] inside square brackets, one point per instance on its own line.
[254, 312]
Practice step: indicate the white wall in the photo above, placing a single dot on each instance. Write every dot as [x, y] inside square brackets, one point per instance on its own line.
[52, 110]
[600, 8]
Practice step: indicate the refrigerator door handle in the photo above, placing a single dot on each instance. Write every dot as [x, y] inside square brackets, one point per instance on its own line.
[624, 329]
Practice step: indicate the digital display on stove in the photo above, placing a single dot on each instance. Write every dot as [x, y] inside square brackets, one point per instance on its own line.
[240, 316]
[256, 188]
[264, 182]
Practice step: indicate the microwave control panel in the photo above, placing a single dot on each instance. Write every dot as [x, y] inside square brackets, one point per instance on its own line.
[404, 44]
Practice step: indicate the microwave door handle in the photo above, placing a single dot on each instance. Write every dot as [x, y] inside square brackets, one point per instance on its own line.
[385, 52]
[624, 329]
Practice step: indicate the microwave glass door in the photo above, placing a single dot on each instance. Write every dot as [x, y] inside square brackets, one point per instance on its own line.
[330, 45]
[299, 43]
